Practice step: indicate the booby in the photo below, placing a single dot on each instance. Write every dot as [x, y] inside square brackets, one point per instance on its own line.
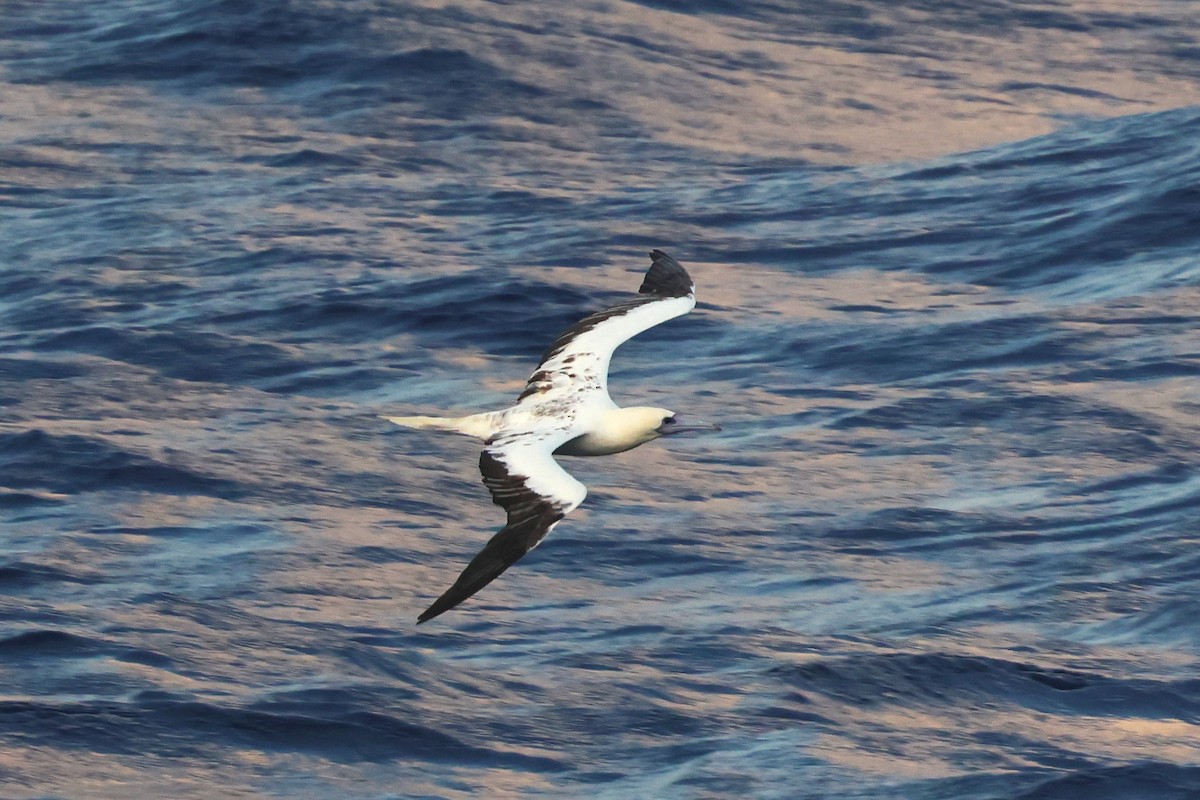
[565, 410]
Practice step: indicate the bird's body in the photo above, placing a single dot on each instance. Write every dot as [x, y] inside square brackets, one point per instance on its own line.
[565, 409]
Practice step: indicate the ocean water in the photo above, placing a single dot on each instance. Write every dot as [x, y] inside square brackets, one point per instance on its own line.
[945, 546]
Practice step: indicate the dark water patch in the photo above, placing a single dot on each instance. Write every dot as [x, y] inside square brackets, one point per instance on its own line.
[718, 7]
[632, 556]
[12, 499]
[1167, 219]
[351, 736]
[163, 725]
[882, 352]
[57, 308]
[1101, 213]
[1058, 419]
[510, 318]
[1168, 474]
[335, 380]
[1132, 313]
[271, 260]
[72, 464]
[1157, 504]
[356, 314]
[1116, 527]
[19, 286]
[18, 369]
[307, 158]
[936, 678]
[1062, 775]
[1081, 211]
[146, 658]
[1160, 780]
[1153, 369]
[451, 84]
[1040, 752]
[504, 316]
[42, 647]
[851, 23]
[25, 575]
[49, 643]
[327, 700]
[794, 707]
[915, 528]
[863, 309]
[1033, 86]
[333, 58]
[203, 356]
[215, 42]
[668, 735]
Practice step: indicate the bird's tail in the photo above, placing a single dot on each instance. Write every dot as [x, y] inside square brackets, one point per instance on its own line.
[478, 425]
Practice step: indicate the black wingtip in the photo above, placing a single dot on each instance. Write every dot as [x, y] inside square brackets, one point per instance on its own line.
[503, 550]
[666, 277]
[450, 598]
[439, 607]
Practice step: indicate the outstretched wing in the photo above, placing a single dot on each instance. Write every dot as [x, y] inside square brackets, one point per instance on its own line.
[580, 356]
[523, 477]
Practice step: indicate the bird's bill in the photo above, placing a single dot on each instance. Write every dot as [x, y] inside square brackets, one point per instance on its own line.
[686, 425]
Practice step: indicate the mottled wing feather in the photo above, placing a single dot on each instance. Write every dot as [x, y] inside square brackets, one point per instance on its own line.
[581, 354]
[523, 477]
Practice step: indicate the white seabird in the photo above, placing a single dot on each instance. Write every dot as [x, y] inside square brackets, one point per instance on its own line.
[564, 410]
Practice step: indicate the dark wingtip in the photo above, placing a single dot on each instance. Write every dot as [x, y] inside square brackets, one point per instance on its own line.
[441, 605]
[451, 598]
[666, 277]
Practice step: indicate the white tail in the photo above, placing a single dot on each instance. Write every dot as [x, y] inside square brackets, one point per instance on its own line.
[478, 425]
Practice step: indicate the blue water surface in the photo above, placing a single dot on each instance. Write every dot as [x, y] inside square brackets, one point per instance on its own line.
[945, 546]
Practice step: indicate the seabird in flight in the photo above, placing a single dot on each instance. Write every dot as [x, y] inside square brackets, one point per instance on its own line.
[564, 410]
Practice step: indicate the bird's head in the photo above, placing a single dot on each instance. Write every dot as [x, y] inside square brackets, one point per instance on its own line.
[671, 424]
[647, 424]
[629, 427]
